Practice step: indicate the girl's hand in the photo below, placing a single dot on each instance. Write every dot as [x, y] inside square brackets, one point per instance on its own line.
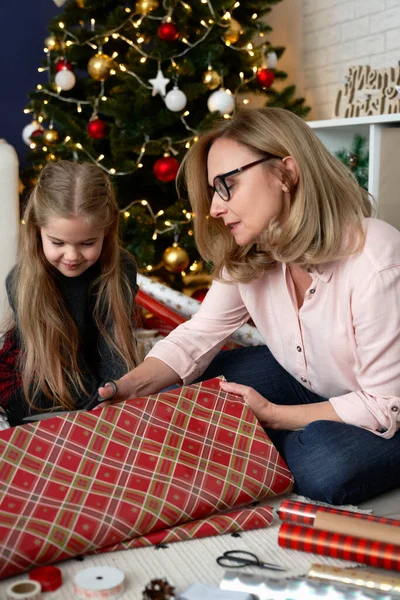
[264, 410]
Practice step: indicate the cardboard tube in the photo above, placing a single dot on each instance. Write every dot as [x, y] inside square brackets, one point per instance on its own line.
[357, 527]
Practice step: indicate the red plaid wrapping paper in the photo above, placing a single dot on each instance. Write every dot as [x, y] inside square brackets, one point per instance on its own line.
[336, 545]
[89, 480]
[231, 522]
[300, 512]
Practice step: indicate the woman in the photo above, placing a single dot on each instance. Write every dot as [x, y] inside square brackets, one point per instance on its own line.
[289, 233]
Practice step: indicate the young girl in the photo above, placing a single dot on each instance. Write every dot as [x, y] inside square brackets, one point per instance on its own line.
[72, 296]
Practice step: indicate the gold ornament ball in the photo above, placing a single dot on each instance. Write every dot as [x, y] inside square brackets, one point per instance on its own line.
[50, 136]
[233, 32]
[212, 79]
[99, 67]
[144, 7]
[51, 43]
[176, 259]
[81, 3]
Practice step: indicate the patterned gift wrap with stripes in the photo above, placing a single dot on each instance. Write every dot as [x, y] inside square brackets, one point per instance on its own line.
[336, 545]
[301, 512]
[80, 482]
[231, 522]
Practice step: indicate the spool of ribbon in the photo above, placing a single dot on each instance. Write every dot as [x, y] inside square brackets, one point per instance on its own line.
[50, 578]
[24, 590]
[99, 582]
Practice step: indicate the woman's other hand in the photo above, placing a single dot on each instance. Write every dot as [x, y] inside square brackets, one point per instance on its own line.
[264, 410]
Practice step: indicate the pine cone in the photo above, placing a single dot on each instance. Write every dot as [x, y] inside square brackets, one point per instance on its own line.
[158, 589]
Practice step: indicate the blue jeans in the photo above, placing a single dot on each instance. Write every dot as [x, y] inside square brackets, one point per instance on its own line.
[330, 461]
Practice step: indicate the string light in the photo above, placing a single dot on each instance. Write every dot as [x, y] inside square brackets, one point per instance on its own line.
[169, 225]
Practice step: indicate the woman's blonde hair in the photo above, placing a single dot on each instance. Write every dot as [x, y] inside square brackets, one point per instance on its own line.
[49, 336]
[327, 204]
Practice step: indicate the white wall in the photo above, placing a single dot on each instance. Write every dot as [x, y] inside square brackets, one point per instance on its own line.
[9, 221]
[324, 37]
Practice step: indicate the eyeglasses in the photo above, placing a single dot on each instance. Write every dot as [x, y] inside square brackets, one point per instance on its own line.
[221, 187]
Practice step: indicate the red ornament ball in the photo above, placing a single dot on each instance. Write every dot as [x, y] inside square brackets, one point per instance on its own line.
[200, 294]
[168, 32]
[62, 64]
[166, 168]
[265, 77]
[96, 129]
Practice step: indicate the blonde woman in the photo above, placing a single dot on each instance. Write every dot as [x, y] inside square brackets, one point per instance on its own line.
[294, 247]
[72, 294]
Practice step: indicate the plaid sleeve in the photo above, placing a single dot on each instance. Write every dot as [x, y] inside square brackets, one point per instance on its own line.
[10, 378]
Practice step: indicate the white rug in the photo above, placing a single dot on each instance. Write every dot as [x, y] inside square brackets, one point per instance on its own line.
[184, 563]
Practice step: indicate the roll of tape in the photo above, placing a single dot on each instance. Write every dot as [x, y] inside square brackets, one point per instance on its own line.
[99, 582]
[24, 590]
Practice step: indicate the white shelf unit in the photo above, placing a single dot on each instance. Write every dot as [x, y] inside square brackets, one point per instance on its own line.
[382, 133]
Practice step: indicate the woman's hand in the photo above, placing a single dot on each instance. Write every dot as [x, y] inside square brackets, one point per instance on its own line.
[264, 410]
[276, 416]
[150, 377]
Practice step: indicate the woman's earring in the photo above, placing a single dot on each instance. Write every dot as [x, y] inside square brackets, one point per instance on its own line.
[285, 188]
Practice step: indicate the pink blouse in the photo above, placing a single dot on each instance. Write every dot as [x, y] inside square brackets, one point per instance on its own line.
[343, 343]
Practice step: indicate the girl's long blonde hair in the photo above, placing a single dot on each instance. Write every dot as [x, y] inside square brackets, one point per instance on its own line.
[327, 204]
[49, 337]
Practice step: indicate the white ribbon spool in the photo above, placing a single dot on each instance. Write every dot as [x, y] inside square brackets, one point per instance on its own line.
[24, 590]
[99, 582]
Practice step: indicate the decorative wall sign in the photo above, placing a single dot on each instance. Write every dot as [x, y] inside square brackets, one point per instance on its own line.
[368, 91]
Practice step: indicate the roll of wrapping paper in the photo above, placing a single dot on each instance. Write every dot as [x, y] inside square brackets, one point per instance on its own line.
[337, 545]
[246, 335]
[357, 524]
[359, 579]
[152, 305]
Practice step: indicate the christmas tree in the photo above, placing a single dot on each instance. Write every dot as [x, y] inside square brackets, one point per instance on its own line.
[131, 86]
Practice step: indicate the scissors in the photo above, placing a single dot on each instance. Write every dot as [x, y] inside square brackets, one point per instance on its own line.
[236, 559]
[94, 401]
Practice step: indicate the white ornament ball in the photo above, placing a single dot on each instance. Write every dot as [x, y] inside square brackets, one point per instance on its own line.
[28, 130]
[65, 79]
[175, 100]
[221, 101]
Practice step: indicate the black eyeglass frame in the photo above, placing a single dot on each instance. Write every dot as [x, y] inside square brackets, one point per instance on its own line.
[224, 176]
